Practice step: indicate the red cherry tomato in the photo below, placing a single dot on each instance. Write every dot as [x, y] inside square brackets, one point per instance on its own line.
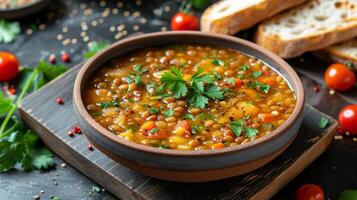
[339, 77]
[348, 119]
[310, 192]
[183, 21]
[9, 66]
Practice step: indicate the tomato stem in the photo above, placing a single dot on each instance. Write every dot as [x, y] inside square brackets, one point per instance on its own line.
[17, 102]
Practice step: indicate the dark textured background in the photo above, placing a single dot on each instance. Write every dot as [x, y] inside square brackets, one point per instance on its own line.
[335, 170]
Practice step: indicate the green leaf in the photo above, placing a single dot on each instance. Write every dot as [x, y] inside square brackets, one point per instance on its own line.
[95, 189]
[43, 159]
[257, 74]
[138, 80]
[349, 64]
[218, 62]
[36, 84]
[5, 104]
[139, 69]
[197, 129]
[260, 86]
[237, 127]
[240, 76]
[199, 4]
[251, 132]
[204, 116]
[188, 116]
[323, 122]
[154, 130]
[105, 105]
[152, 110]
[348, 195]
[9, 31]
[169, 113]
[214, 92]
[49, 71]
[244, 67]
[199, 101]
[174, 81]
[94, 47]
[231, 81]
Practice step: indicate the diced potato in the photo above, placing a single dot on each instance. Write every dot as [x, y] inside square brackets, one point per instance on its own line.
[206, 65]
[178, 140]
[184, 147]
[250, 93]
[127, 135]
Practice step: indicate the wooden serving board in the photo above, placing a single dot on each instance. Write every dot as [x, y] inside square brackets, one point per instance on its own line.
[52, 122]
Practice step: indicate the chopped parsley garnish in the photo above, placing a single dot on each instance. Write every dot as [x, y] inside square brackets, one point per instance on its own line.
[138, 80]
[139, 69]
[198, 90]
[128, 79]
[260, 86]
[94, 47]
[238, 128]
[188, 116]
[197, 129]
[204, 116]
[9, 31]
[257, 74]
[151, 87]
[323, 122]
[240, 76]
[105, 105]
[218, 62]
[231, 81]
[131, 100]
[154, 130]
[244, 67]
[228, 92]
[169, 113]
[217, 76]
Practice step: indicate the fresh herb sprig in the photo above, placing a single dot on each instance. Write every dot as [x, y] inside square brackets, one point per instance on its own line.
[94, 47]
[198, 90]
[18, 144]
[238, 127]
[9, 31]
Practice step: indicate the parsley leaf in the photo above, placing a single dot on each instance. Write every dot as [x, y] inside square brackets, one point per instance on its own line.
[257, 74]
[218, 62]
[251, 132]
[94, 47]
[214, 92]
[244, 67]
[198, 101]
[95, 189]
[5, 104]
[323, 122]
[139, 69]
[8, 31]
[43, 159]
[174, 81]
[169, 113]
[237, 127]
[154, 130]
[188, 116]
[105, 105]
[260, 86]
[231, 81]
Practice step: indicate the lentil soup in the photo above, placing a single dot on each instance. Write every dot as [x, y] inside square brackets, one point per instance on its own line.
[188, 97]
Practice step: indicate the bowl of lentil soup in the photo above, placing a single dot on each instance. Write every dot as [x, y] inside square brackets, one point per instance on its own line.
[12, 9]
[189, 106]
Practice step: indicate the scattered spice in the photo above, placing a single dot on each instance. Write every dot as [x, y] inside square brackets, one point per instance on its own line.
[59, 101]
[95, 189]
[65, 57]
[331, 92]
[354, 139]
[316, 89]
[90, 147]
[63, 165]
[70, 134]
[12, 91]
[77, 130]
[36, 197]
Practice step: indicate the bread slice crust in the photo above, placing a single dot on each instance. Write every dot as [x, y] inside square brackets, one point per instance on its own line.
[243, 19]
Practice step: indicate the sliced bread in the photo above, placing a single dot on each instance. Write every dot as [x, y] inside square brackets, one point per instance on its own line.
[231, 16]
[344, 52]
[314, 25]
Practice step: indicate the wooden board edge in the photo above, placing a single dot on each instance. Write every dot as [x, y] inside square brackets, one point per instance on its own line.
[73, 158]
[299, 165]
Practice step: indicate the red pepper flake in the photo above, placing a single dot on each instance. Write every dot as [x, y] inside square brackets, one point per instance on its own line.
[316, 89]
[65, 57]
[77, 130]
[52, 59]
[59, 101]
[70, 134]
[90, 147]
[12, 91]
[340, 131]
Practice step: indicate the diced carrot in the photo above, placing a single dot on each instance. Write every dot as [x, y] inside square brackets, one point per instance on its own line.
[268, 80]
[159, 135]
[219, 145]
[183, 128]
[147, 126]
[238, 82]
[267, 118]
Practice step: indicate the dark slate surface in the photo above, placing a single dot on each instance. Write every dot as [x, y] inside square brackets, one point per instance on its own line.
[335, 170]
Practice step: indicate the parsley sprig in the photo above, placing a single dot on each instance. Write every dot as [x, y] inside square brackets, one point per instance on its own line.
[198, 90]
[238, 127]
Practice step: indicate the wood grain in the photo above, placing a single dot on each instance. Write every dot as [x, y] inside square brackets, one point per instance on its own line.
[52, 122]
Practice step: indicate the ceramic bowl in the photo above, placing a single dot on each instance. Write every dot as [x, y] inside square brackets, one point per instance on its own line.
[25, 10]
[189, 166]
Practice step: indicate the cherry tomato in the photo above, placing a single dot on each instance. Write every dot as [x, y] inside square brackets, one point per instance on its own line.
[183, 21]
[310, 192]
[348, 119]
[339, 77]
[9, 66]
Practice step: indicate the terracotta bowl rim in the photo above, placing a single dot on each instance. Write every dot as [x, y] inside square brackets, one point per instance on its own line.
[299, 93]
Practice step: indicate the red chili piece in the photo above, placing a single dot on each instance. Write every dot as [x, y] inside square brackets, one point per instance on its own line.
[66, 57]
[77, 130]
[59, 101]
[340, 131]
[52, 59]
[12, 91]
[316, 89]
[90, 147]
[70, 134]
